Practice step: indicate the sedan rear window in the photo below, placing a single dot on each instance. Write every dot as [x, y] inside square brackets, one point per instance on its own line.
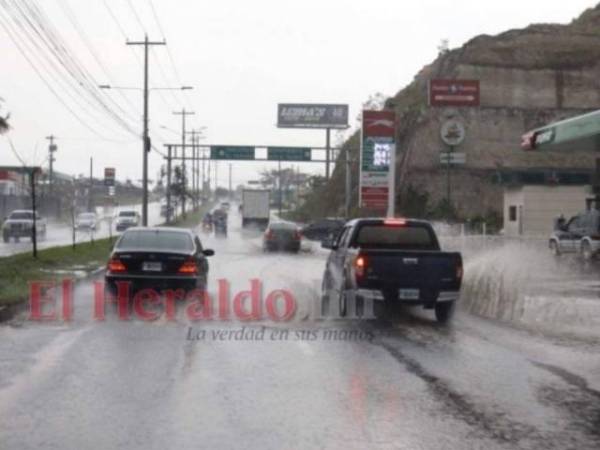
[397, 237]
[127, 214]
[155, 240]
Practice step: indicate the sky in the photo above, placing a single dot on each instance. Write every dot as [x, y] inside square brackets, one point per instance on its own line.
[242, 58]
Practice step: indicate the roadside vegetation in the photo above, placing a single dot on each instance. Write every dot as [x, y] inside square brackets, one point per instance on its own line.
[63, 262]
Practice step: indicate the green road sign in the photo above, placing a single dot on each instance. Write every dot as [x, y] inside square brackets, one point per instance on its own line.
[289, 153]
[231, 152]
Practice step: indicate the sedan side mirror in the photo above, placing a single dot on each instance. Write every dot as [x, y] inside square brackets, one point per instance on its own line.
[208, 252]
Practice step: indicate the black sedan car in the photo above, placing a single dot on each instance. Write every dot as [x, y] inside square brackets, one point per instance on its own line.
[158, 258]
[282, 236]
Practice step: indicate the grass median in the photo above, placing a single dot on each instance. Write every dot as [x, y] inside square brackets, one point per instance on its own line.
[17, 271]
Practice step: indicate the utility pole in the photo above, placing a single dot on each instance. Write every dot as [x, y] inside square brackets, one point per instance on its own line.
[280, 188]
[51, 149]
[146, 139]
[230, 180]
[348, 187]
[203, 174]
[196, 136]
[327, 152]
[183, 113]
[90, 200]
[32, 174]
[168, 214]
[216, 178]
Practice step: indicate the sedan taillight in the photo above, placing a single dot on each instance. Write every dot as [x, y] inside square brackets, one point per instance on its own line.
[189, 267]
[115, 265]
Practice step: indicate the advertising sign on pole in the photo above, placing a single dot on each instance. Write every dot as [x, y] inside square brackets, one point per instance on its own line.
[377, 149]
[109, 176]
[303, 115]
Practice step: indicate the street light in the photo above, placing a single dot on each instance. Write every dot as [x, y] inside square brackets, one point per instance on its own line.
[146, 139]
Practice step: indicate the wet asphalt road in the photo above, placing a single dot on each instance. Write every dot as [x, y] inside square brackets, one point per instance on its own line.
[331, 384]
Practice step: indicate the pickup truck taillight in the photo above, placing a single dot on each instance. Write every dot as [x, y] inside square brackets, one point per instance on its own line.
[297, 235]
[459, 272]
[115, 265]
[360, 266]
[269, 235]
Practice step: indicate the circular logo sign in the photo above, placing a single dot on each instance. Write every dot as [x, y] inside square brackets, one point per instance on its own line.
[453, 132]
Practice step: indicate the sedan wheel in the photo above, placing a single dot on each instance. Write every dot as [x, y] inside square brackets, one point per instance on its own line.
[554, 248]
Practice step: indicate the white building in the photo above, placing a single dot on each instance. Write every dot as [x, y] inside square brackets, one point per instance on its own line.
[531, 210]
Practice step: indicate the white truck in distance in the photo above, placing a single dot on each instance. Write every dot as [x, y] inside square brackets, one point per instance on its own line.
[255, 208]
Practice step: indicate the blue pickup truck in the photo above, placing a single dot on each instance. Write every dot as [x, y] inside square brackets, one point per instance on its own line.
[391, 261]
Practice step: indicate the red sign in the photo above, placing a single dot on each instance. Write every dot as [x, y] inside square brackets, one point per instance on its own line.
[374, 197]
[453, 92]
[379, 124]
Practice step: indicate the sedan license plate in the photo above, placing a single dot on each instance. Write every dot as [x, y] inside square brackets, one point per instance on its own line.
[408, 294]
[152, 266]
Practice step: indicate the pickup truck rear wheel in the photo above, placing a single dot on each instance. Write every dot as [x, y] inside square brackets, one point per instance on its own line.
[5, 237]
[444, 311]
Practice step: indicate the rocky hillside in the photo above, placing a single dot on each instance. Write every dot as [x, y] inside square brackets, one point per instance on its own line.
[528, 78]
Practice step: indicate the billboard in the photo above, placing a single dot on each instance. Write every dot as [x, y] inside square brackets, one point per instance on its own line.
[377, 145]
[306, 115]
[453, 92]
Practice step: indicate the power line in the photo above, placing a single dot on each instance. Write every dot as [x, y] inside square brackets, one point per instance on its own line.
[137, 17]
[73, 20]
[169, 53]
[75, 68]
[124, 34]
[18, 44]
[33, 18]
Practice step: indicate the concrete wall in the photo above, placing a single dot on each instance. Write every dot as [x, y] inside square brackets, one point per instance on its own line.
[538, 206]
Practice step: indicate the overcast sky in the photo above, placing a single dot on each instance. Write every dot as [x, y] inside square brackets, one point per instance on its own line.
[241, 57]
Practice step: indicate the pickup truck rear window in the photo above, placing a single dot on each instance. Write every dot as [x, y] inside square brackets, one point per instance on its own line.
[408, 237]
